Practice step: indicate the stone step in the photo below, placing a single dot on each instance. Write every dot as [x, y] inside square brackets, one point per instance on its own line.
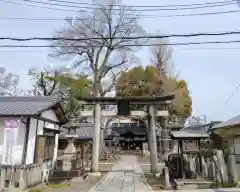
[58, 175]
[190, 186]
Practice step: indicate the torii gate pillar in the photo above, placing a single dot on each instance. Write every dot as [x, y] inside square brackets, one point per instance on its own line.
[152, 138]
[96, 139]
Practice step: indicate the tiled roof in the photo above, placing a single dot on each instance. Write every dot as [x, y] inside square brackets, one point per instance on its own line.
[28, 105]
[124, 128]
[231, 122]
[185, 133]
[83, 131]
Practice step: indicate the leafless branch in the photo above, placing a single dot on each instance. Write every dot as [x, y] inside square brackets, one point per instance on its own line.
[106, 24]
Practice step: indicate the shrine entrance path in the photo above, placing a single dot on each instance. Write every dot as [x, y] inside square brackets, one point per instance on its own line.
[125, 176]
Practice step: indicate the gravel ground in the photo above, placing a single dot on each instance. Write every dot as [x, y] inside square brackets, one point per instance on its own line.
[76, 186]
[143, 159]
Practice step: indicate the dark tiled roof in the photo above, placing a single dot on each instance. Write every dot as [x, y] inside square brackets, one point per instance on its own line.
[28, 105]
[124, 128]
[83, 131]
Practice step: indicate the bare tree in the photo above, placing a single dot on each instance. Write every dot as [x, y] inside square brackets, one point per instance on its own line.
[8, 83]
[162, 60]
[104, 50]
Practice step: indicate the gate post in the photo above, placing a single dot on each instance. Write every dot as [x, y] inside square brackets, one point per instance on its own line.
[152, 138]
[96, 139]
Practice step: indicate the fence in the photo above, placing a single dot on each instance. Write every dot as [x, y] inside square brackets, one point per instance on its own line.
[21, 177]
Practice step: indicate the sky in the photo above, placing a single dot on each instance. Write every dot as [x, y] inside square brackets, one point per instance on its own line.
[212, 74]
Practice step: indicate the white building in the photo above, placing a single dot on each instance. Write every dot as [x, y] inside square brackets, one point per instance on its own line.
[229, 138]
[28, 129]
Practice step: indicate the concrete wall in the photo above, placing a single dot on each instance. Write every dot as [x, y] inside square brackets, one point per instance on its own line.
[50, 114]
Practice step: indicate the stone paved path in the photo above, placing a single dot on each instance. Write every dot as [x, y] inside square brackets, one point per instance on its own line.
[126, 176]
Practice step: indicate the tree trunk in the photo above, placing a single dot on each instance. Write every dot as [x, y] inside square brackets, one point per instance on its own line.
[103, 149]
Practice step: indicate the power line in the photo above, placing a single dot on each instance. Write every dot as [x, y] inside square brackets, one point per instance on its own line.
[140, 10]
[145, 6]
[126, 45]
[233, 93]
[123, 38]
[201, 14]
[36, 6]
[175, 49]
[140, 16]
[36, 19]
[229, 98]
[67, 10]
[206, 48]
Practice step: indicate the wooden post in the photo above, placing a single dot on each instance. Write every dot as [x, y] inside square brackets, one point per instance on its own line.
[182, 159]
[96, 139]
[201, 172]
[165, 141]
[179, 169]
[82, 154]
[25, 146]
[87, 155]
[3, 178]
[152, 139]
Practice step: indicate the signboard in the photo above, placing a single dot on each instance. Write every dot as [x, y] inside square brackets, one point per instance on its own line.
[11, 123]
[11, 131]
[131, 138]
[190, 145]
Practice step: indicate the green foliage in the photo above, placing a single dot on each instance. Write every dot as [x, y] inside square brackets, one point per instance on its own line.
[149, 81]
[35, 190]
[79, 86]
[56, 82]
[139, 82]
[182, 103]
[59, 185]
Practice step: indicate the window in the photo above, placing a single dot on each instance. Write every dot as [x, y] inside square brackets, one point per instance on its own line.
[236, 143]
[49, 148]
[44, 148]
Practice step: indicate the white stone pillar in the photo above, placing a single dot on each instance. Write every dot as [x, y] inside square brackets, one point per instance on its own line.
[96, 139]
[55, 150]
[152, 139]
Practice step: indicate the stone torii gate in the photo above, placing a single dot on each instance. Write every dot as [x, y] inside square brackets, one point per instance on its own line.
[123, 105]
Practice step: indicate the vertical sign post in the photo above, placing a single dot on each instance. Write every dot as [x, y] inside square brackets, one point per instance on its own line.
[11, 129]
